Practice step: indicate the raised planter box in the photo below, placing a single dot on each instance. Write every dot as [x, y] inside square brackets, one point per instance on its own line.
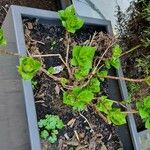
[13, 28]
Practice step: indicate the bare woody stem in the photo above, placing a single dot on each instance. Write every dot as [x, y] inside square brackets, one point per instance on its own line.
[96, 67]
[49, 75]
[67, 56]
[55, 78]
[99, 113]
[92, 38]
[131, 50]
[122, 78]
[50, 55]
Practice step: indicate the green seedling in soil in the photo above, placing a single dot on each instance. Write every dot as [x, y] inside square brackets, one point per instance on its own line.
[49, 127]
[28, 67]
[144, 110]
[69, 19]
[2, 39]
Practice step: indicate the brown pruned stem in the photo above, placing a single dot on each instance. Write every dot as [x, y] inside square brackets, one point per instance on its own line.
[99, 113]
[55, 55]
[49, 75]
[101, 58]
[87, 122]
[68, 87]
[96, 67]
[92, 38]
[50, 55]
[122, 78]
[67, 56]
[129, 51]
[119, 103]
[130, 112]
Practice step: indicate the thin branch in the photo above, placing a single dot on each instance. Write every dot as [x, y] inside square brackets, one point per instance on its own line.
[119, 103]
[130, 112]
[92, 38]
[122, 78]
[101, 58]
[67, 56]
[68, 87]
[51, 55]
[96, 67]
[87, 122]
[49, 75]
[129, 51]
[99, 113]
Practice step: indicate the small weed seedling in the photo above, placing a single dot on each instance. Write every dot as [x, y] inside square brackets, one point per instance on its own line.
[49, 127]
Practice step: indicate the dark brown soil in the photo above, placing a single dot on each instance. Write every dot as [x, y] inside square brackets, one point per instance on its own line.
[42, 4]
[48, 98]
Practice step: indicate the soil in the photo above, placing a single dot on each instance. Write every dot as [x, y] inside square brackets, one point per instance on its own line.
[47, 39]
[45, 4]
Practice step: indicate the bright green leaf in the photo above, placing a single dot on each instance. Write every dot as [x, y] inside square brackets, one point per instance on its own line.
[104, 104]
[116, 116]
[69, 19]
[44, 134]
[94, 85]
[28, 67]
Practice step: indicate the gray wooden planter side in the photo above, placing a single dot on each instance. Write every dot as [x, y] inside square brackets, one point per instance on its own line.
[16, 27]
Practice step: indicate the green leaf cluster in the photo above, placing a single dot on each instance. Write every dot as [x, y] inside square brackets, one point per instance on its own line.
[2, 39]
[114, 60]
[82, 60]
[144, 110]
[78, 98]
[94, 85]
[28, 67]
[114, 115]
[69, 19]
[49, 127]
